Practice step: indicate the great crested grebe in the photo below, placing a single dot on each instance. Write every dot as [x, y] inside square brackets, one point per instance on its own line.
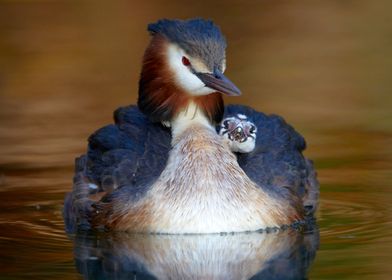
[171, 165]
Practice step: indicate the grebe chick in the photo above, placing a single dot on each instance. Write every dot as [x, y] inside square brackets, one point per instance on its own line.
[185, 179]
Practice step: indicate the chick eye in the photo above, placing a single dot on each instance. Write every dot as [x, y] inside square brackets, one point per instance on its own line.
[252, 129]
[185, 61]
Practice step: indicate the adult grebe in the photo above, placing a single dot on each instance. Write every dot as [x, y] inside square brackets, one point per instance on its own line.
[140, 176]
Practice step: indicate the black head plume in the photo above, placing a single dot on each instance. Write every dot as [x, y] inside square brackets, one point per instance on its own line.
[199, 38]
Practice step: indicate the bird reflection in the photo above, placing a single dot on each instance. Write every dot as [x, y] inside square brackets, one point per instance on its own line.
[275, 255]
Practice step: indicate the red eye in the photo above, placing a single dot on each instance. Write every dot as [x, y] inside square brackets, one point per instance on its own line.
[185, 61]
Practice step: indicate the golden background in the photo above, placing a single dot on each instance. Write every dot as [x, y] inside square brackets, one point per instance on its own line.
[325, 66]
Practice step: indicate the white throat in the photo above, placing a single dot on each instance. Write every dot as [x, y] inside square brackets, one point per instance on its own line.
[191, 115]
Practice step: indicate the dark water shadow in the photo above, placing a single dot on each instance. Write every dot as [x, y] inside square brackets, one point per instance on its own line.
[277, 255]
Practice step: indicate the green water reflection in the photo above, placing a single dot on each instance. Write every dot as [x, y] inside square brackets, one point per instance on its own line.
[323, 65]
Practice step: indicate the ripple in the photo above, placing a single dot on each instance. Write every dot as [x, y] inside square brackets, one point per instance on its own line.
[25, 231]
[367, 219]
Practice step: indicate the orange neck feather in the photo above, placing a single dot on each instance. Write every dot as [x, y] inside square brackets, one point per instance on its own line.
[160, 98]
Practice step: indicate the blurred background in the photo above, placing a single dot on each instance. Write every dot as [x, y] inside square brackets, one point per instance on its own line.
[325, 66]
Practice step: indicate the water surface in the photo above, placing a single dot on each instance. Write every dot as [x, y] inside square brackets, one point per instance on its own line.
[323, 65]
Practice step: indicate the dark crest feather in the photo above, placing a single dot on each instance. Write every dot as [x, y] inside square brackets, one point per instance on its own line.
[197, 37]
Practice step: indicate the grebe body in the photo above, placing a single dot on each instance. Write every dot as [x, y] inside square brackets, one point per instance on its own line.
[201, 175]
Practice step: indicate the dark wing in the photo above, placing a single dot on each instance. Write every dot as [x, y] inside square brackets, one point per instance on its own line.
[127, 157]
[277, 159]
[131, 152]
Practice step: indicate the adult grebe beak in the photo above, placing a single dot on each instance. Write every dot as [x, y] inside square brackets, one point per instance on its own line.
[219, 82]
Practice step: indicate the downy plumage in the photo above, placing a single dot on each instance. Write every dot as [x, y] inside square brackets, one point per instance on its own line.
[199, 175]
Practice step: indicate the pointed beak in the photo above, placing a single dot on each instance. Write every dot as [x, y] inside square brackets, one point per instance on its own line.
[219, 82]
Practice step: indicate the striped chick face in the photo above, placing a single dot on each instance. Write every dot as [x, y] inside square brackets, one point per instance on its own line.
[240, 133]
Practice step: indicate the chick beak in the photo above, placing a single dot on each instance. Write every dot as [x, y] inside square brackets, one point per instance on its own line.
[219, 82]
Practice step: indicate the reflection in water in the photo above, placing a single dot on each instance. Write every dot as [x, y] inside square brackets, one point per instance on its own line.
[325, 66]
[277, 255]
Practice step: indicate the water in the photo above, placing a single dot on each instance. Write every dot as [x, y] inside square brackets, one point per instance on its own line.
[323, 65]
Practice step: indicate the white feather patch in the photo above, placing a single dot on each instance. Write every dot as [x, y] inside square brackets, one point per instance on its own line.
[183, 76]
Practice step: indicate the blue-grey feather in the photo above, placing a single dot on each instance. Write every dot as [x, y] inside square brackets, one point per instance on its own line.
[277, 161]
[134, 151]
[131, 153]
[127, 157]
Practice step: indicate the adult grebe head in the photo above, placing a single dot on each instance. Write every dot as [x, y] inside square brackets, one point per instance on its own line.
[184, 63]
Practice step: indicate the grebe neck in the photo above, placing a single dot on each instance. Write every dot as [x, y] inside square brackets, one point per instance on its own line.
[191, 115]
